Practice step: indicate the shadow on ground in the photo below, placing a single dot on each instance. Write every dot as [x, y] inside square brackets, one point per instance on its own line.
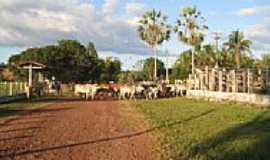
[35, 116]
[104, 140]
[247, 141]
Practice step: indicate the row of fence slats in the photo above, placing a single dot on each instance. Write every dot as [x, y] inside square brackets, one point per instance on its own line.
[11, 88]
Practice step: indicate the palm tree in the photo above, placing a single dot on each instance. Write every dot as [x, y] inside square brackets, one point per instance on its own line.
[238, 45]
[206, 56]
[153, 30]
[190, 28]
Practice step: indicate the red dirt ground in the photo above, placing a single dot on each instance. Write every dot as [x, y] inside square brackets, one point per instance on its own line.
[79, 131]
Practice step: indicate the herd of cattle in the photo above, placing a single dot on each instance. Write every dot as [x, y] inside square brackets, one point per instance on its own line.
[148, 91]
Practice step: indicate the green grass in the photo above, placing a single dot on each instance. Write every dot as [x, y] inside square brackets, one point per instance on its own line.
[194, 129]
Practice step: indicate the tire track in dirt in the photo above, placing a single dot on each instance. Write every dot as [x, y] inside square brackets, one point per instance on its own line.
[77, 130]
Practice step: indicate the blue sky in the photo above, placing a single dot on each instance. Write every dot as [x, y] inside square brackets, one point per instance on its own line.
[111, 24]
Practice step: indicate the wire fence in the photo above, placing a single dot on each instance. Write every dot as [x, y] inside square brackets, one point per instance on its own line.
[12, 88]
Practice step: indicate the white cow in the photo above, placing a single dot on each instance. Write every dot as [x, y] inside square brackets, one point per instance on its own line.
[172, 89]
[179, 89]
[176, 89]
[87, 90]
[152, 92]
[130, 91]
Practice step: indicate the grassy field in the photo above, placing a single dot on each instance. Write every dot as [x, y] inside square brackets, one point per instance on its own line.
[193, 129]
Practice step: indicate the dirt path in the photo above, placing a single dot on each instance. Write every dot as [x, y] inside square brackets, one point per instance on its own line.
[77, 130]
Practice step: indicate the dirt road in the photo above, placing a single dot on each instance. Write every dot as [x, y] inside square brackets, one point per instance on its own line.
[79, 131]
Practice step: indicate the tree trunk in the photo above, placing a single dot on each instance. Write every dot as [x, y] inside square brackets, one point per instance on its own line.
[155, 69]
[192, 61]
[237, 58]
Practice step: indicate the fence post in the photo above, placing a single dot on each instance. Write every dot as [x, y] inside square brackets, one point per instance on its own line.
[228, 81]
[267, 79]
[220, 80]
[10, 89]
[212, 80]
[233, 81]
[1, 90]
[21, 87]
[244, 82]
[207, 77]
[250, 81]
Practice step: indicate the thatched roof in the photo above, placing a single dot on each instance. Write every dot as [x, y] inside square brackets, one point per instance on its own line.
[33, 63]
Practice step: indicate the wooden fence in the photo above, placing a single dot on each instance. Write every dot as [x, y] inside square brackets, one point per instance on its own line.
[12, 88]
[231, 80]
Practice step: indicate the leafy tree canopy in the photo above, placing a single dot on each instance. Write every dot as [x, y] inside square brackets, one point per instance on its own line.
[238, 46]
[148, 68]
[68, 61]
[153, 28]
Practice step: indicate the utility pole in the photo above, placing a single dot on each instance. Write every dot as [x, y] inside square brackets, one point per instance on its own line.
[167, 65]
[217, 37]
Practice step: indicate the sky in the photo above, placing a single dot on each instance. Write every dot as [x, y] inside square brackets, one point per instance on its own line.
[111, 24]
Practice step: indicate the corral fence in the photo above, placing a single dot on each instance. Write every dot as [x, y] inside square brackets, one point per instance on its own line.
[250, 85]
[231, 80]
[12, 88]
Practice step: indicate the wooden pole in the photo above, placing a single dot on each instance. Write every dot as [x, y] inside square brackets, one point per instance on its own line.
[30, 82]
[30, 75]
[249, 81]
[228, 82]
[207, 77]
[261, 79]
[220, 81]
[10, 89]
[267, 79]
[212, 80]
[233, 81]
[244, 81]
[193, 59]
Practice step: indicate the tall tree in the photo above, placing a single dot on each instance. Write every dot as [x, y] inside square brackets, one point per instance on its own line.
[148, 66]
[238, 45]
[206, 56]
[68, 61]
[264, 61]
[182, 66]
[190, 29]
[111, 68]
[91, 50]
[154, 30]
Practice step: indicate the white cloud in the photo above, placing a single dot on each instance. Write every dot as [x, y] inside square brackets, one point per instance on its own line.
[253, 11]
[135, 9]
[28, 23]
[109, 6]
[134, 12]
[260, 35]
